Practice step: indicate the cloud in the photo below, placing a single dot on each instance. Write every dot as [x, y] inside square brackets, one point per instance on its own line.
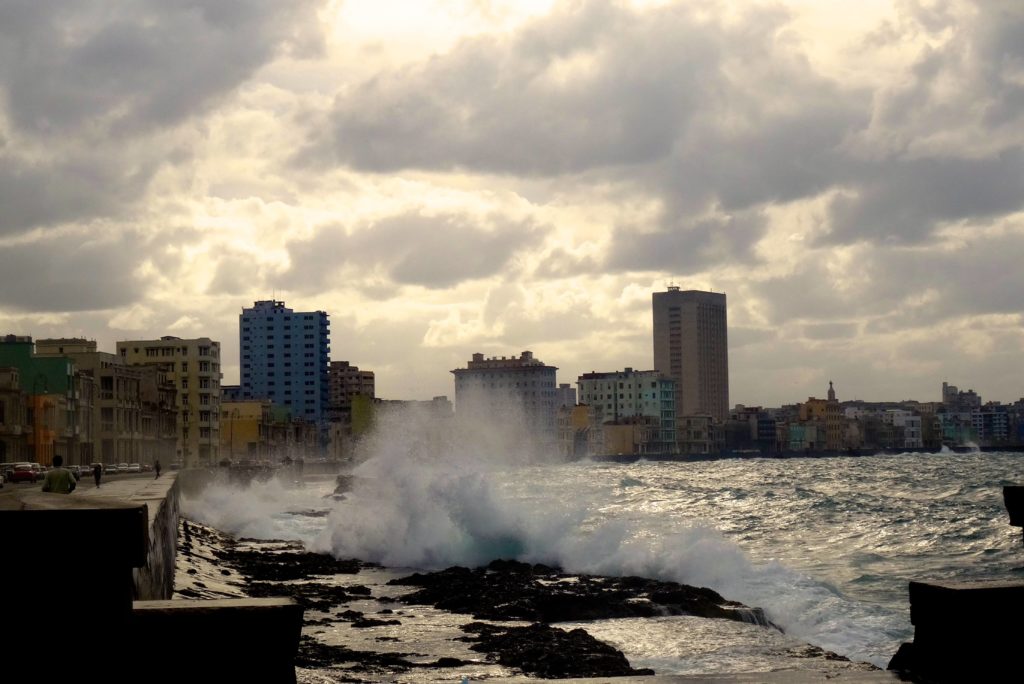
[73, 273]
[435, 252]
[583, 87]
[132, 65]
[684, 249]
[95, 97]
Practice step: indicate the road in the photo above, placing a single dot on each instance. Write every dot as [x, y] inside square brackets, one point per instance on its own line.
[86, 482]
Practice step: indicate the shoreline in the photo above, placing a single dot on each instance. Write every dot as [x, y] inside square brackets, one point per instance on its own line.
[364, 622]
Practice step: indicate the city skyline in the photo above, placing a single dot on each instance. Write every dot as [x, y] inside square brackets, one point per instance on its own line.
[494, 177]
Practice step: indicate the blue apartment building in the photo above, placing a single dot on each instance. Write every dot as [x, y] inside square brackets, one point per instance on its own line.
[284, 357]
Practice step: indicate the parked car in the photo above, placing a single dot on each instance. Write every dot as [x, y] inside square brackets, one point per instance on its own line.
[134, 468]
[23, 472]
[76, 471]
[111, 468]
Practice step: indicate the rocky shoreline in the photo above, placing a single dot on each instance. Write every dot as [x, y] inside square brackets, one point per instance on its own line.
[367, 623]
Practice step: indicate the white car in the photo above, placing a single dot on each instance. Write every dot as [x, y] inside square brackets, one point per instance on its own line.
[134, 468]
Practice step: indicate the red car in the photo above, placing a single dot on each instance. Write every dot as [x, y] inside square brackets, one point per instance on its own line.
[23, 473]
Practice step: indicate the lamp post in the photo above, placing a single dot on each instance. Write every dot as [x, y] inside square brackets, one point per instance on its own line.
[233, 415]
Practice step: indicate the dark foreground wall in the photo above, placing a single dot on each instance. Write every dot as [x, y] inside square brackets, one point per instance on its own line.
[78, 570]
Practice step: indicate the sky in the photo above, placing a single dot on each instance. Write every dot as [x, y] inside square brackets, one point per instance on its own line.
[450, 177]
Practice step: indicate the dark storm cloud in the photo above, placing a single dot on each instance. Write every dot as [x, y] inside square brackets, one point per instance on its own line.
[135, 64]
[685, 249]
[236, 274]
[742, 336]
[699, 113]
[900, 288]
[77, 187]
[954, 122]
[72, 273]
[906, 199]
[410, 249]
[585, 87]
[830, 331]
[710, 116]
[981, 277]
[561, 264]
[90, 93]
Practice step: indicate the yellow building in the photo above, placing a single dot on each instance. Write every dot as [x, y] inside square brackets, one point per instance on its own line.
[194, 366]
[573, 424]
[828, 413]
[245, 430]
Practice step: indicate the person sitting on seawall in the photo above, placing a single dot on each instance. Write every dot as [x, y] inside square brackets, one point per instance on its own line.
[59, 480]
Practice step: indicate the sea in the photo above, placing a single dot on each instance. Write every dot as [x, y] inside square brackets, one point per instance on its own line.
[826, 546]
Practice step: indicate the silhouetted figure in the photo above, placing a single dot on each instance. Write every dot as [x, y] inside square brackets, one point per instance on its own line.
[59, 480]
[156, 467]
[97, 473]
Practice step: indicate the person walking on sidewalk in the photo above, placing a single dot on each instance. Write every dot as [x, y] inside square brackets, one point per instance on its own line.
[59, 480]
[97, 473]
[156, 467]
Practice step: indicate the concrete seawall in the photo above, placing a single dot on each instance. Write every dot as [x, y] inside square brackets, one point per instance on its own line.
[97, 566]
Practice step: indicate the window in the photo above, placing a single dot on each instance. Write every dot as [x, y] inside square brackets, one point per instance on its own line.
[184, 383]
[184, 366]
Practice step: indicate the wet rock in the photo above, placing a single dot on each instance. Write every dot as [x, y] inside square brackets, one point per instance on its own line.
[449, 662]
[510, 590]
[362, 623]
[282, 566]
[549, 652]
[313, 653]
[350, 615]
[310, 595]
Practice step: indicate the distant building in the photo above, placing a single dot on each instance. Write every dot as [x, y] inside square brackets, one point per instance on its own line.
[691, 347]
[57, 410]
[346, 382]
[499, 391]
[956, 401]
[565, 395]
[573, 428]
[245, 430]
[829, 415]
[193, 365]
[284, 358]
[623, 398]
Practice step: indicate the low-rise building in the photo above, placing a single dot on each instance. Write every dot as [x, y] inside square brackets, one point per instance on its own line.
[643, 400]
[194, 367]
[515, 394]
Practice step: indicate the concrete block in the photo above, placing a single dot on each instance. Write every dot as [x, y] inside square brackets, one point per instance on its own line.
[1013, 498]
[220, 639]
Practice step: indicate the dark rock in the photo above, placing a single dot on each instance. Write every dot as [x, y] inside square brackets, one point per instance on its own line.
[350, 615]
[363, 623]
[280, 566]
[313, 653]
[311, 595]
[510, 590]
[549, 652]
[449, 662]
